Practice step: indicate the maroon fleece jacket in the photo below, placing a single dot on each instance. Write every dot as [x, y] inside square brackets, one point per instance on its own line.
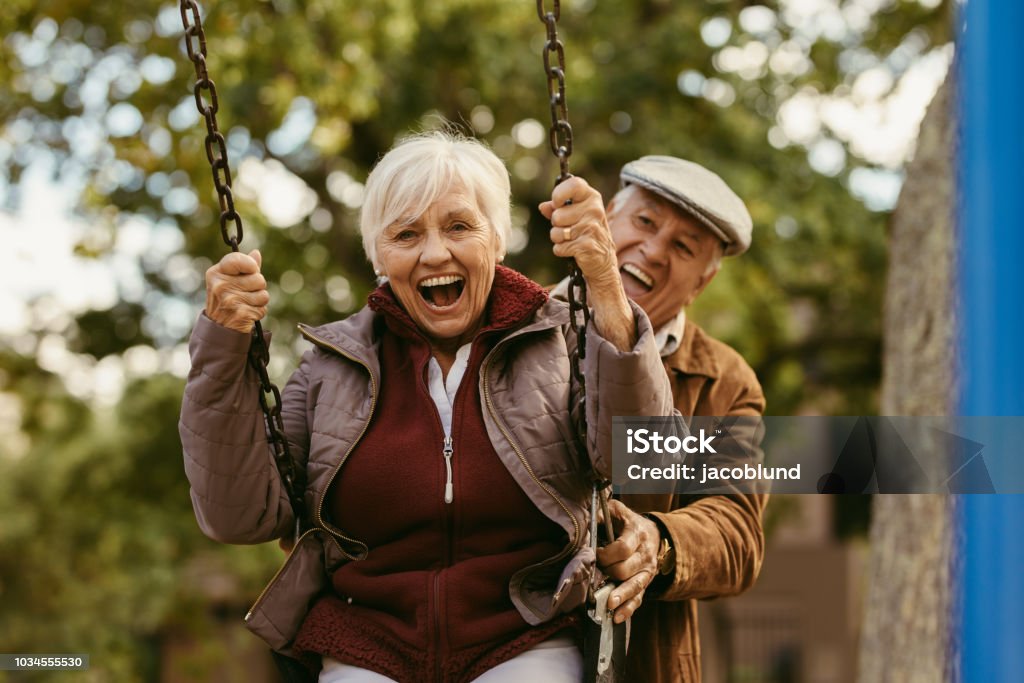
[430, 602]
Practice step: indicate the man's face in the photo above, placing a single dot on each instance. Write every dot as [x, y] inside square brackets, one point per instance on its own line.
[664, 255]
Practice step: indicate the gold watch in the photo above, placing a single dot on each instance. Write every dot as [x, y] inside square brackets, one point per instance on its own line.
[666, 557]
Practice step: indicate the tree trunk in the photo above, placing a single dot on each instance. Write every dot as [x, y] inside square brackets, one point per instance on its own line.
[908, 627]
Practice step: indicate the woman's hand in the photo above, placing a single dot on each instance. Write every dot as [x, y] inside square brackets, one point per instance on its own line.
[579, 230]
[236, 292]
[631, 559]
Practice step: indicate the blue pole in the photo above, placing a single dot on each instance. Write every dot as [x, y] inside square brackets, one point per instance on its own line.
[990, 62]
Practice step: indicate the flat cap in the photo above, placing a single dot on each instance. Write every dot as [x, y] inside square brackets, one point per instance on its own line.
[698, 192]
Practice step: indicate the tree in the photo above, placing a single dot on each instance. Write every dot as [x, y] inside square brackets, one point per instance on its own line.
[908, 632]
[315, 91]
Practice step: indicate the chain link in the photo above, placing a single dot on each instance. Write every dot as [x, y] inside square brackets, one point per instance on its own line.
[560, 136]
[217, 155]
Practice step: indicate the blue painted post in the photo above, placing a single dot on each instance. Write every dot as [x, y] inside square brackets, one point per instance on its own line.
[990, 55]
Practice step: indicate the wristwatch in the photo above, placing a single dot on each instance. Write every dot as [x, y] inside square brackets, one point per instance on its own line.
[666, 557]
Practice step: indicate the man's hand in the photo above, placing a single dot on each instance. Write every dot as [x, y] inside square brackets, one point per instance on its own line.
[236, 292]
[631, 559]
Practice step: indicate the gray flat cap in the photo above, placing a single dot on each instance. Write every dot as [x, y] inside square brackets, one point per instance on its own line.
[698, 192]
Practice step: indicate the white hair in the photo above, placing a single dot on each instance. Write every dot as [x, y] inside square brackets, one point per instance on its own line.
[421, 168]
[716, 258]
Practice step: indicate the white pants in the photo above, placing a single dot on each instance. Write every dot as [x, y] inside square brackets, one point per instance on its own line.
[556, 660]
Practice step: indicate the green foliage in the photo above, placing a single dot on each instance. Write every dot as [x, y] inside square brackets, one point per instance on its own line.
[98, 549]
[374, 72]
[97, 537]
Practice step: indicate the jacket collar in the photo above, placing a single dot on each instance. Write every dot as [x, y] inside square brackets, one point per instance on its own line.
[354, 336]
[694, 355]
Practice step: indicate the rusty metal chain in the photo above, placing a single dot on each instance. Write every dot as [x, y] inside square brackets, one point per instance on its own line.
[560, 136]
[217, 155]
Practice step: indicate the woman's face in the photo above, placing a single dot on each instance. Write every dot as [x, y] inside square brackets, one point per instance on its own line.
[441, 266]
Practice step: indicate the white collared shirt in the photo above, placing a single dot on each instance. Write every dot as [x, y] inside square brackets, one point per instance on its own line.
[670, 335]
[443, 389]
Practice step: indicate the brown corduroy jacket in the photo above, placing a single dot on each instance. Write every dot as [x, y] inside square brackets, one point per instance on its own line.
[719, 540]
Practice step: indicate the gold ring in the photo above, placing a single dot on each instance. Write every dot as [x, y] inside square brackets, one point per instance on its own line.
[566, 234]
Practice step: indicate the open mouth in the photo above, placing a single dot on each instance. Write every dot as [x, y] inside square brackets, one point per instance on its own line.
[636, 279]
[442, 291]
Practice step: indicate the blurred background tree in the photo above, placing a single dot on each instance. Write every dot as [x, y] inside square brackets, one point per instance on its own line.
[97, 536]
[910, 627]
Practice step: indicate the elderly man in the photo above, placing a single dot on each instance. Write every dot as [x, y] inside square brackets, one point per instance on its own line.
[672, 222]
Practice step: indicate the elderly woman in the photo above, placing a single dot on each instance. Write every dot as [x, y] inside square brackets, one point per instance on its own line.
[449, 505]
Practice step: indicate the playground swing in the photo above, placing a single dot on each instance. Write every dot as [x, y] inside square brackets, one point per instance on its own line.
[604, 641]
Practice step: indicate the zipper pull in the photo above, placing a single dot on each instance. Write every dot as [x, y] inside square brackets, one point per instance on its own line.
[449, 491]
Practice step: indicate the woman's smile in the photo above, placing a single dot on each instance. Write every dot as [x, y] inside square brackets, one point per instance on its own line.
[442, 292]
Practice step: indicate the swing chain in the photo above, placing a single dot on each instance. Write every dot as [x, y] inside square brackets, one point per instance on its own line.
[560, 136]
[216, 146]
[217, 155]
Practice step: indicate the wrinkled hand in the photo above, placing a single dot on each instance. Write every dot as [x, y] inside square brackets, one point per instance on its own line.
[236, 292]
[631, 559]
[579, 230]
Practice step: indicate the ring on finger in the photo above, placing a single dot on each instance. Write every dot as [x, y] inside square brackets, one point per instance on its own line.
[566, 234]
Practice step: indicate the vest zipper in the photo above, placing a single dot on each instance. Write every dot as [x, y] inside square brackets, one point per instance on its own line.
[449, 493]
[438, 624]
